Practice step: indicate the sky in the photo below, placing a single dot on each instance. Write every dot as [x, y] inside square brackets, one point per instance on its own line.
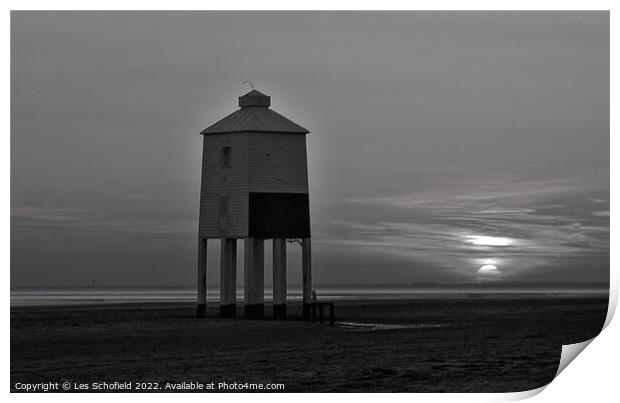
[440, 142]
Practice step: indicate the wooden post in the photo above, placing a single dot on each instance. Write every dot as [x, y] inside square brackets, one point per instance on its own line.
[202, 278]
[253, 277]
[279, 278]
[228, 278]
[306, 274]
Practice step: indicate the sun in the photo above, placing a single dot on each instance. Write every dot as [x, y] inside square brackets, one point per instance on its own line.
[489, 271]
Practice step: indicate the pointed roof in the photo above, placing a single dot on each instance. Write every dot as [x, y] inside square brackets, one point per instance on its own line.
[255, 116]
[254, 98]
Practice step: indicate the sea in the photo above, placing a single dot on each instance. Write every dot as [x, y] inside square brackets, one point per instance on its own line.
[101, 295]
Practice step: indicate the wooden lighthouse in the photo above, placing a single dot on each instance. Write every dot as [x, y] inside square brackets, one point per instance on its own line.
[254, 187]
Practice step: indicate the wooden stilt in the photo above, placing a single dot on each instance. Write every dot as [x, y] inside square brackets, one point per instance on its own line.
[253, 276]
[201, 288]
[306, 269]
[279, 278]
[228, 278]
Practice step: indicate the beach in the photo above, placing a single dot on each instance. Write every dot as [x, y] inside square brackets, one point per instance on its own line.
[464, 343]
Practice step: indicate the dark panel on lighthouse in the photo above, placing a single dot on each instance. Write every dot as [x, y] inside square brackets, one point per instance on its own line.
[279, 215]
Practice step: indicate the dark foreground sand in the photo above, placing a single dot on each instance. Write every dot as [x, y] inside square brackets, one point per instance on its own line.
[475, 344]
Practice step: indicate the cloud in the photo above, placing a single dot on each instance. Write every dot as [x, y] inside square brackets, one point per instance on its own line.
[26, 219]
[519, 225]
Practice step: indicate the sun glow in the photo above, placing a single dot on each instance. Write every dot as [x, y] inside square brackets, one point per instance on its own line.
[489, 240]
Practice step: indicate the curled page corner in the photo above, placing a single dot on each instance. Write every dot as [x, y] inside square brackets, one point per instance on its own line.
[613, 301]
[569, 353]
[526, 394]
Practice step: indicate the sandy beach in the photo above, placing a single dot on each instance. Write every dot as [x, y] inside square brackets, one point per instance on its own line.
[471, 343]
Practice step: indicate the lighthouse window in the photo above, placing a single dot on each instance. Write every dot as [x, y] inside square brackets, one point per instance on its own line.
[226, 157]
[223, 206]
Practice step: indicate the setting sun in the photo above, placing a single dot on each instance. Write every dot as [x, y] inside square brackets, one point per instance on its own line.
[489, 270]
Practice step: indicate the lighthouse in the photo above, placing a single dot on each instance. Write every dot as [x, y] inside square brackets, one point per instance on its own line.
[254, 187]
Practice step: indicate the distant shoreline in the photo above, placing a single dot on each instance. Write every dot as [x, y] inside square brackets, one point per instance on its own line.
[413, 285]
[79, 297]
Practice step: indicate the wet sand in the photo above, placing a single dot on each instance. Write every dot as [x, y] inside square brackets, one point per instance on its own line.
[471, 343]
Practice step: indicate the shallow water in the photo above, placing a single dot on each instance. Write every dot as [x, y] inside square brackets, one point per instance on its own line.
[373, 327]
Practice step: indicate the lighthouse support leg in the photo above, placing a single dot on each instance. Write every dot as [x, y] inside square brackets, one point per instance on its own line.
[253, 276]
[306, 274]
[279, 278]
[228, 278]
[201, 288]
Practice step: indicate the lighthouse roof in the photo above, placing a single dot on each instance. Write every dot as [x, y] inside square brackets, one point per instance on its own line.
[255, 115]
